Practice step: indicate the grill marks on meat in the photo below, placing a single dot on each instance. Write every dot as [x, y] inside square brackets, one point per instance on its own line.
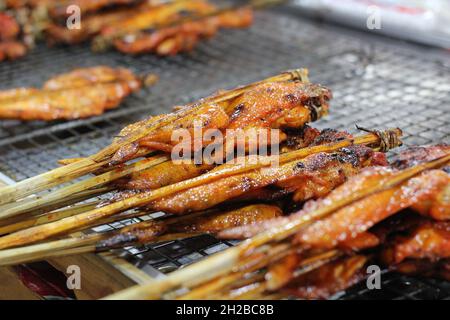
[184, 36]
[316, 169]
[266, 106]
[79, 94]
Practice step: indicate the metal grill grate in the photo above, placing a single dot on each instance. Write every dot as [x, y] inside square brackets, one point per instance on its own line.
[377, 82]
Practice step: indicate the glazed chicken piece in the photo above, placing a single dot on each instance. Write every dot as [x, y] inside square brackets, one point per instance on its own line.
[92, 24]
[58, 9]
[184, 36]
[79, 94]
[168, 172]
[438, 207]
[214, 222]
[153, 17]
[419, 154]
[266, 106]
[358, 217]
[318, 173]
[329, 279]
[425, 268]
[430, 240]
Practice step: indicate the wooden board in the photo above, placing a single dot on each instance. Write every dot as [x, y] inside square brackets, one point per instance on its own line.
[11, 288]
[101, 275]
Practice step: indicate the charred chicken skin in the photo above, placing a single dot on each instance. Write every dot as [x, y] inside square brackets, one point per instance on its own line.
[81, 93]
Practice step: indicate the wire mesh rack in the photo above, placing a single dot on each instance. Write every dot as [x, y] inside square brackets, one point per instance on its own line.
[377, 83]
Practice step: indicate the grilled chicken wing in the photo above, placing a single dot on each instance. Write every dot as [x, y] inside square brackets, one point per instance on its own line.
[329, 279]
[266, 106]
[319, 173]
[58, 9]
[425, 268]
[430, 240]
[358, 217]
[206, 223]
[159, 15]
[78, 94]
[183, 36]
[169, 172]
[92, 25]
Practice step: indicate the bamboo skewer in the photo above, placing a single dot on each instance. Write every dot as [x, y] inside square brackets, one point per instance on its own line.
[66, 247]
[49, 179]
[223, 262]
[85, 219]
[54, 205]
[93, 163]
[96, 181]
[204, 291]
[46, 218]
[37, 251]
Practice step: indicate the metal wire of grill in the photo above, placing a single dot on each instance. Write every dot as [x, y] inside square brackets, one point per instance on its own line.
[377, 83]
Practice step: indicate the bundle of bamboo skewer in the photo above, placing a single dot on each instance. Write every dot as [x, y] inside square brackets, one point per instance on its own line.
[245, 265]
[30, 222]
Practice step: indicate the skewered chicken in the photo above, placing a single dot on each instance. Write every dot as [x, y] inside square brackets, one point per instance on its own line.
[425, 268]
[360, 216]
[430, 240]
[155, 16]
[312, 177]
[266, 106]
[78, 94]
[346, 229]
[184, 36]
[91, 26]
[58, 9]
[329, 279]
[148, 231]
[169, 172]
